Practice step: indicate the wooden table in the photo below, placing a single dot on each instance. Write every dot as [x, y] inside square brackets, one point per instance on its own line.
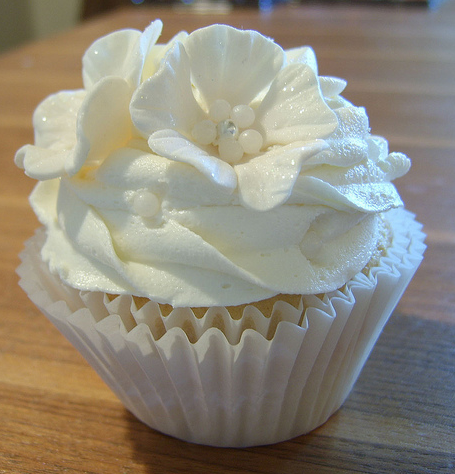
[57, 416]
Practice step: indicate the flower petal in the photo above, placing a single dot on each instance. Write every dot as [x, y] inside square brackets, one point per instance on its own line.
[120, 54]
[231, 64]
[173, 145]
[103, 124]
[109, 55]
[149, 38]
[156, 54]
[166, 100]
[303, 55]
[41, 163]
[54, 120]
[332, 86]
[293, 108]
[266, 181]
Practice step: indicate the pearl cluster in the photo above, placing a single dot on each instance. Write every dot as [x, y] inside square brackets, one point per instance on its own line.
[227, 128]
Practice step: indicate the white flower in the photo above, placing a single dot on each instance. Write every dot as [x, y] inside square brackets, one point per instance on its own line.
[77, 128]
[231, 104]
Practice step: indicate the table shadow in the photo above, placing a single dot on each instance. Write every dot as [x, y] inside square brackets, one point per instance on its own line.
[165, 454]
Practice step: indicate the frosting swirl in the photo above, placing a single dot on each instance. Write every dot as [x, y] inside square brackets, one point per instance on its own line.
[217, 169]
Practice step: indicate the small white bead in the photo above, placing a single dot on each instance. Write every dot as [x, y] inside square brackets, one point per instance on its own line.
[243, 116]
[230, 150]
[146, 204]
[204, 132]
[220, 110]
[251, 141]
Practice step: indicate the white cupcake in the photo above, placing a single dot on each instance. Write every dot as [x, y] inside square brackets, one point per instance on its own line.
[221, 241]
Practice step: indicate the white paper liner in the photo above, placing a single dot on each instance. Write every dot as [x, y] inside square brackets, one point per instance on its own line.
[233, 386]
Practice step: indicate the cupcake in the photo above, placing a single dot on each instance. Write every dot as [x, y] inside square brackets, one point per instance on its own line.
[221, 238]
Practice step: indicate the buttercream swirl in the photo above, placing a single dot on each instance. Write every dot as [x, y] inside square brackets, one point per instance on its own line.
[217, 169]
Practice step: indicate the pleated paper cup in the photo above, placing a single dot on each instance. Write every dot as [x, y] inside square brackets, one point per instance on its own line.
[221, 381]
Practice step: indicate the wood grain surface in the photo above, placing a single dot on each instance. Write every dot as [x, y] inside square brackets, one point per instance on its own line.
[57, 416]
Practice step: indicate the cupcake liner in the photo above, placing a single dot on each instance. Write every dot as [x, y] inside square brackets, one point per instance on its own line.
[222, 381]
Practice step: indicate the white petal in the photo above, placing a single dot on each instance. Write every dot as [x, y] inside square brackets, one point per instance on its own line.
[266, 181]
[231, 64]
[103, 123]
[110, 56]
[156, 54]
[173, 145]
[120, 54]
[332, 86]
[165, 100]
[303, 55]
[54, 120]
[42, 163]
[293, 109]
[149, 38]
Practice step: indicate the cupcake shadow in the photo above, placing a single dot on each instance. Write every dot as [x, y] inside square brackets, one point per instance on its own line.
[156, 452]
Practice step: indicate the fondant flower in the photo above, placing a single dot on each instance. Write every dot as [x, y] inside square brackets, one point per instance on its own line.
[231, 104]
[77, 128]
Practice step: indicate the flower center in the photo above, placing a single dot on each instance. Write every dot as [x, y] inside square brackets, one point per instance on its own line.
[228, 128]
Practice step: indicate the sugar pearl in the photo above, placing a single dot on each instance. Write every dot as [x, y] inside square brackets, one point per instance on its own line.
[204, 132]
[230, 150]
[227, 129]
[220, 110]
[251, 141]
[146, 204]
[243, 116]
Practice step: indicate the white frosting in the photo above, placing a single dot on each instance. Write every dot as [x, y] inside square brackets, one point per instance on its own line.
[217, 169]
